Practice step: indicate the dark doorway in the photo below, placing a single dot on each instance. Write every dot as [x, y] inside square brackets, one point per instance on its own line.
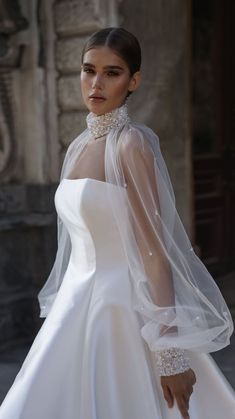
[214, 132]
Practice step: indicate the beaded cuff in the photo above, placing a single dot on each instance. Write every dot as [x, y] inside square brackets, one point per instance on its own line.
[172, 361]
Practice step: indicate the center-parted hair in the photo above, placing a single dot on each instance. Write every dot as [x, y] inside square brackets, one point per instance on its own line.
[122, 42]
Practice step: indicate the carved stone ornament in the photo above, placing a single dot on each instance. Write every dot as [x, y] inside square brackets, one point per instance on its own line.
[11, 22]
[6, 122]
[5, 145]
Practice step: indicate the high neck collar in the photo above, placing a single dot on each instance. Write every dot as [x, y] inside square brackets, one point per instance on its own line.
[102, 124]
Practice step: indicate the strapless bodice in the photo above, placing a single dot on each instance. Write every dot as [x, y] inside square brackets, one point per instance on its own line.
[84, 207]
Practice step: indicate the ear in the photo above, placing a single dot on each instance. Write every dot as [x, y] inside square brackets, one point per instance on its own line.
[134, 82]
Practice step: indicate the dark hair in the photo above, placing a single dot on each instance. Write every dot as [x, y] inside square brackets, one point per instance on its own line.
[124, 43]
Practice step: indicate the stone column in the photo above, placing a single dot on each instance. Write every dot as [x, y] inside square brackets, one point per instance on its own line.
[29, 160]
[74, 21]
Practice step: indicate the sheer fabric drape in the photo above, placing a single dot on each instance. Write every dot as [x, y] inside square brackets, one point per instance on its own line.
[180, 304]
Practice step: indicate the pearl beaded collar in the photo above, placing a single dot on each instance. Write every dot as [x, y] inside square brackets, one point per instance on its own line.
[101, 125]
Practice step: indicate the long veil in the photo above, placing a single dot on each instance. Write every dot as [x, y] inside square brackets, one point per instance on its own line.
[175, 295]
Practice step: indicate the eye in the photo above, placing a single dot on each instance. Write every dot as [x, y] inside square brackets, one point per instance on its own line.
[112, 73]
[88, 70]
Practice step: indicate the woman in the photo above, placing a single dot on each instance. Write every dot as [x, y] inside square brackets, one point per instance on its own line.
[130, 310]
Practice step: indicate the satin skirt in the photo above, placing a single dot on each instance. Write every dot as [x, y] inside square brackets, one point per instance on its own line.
[89, 361]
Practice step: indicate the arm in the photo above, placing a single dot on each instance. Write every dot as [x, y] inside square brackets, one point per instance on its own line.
[138, 168]
[140, 176]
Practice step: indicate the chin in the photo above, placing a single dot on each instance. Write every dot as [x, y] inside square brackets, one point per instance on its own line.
[99, 109]
[102, 108]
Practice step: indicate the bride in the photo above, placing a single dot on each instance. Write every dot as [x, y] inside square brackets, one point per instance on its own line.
[131, 312]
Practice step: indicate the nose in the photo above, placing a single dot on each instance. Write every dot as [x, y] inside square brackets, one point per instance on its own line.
[97, 82]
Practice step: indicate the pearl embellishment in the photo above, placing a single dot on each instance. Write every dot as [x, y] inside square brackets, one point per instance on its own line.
[172, 361]
[101, 125]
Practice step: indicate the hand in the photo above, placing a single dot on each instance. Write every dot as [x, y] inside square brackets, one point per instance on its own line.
[180, 388]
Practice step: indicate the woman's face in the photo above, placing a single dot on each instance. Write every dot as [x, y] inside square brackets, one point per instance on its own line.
[105, 80]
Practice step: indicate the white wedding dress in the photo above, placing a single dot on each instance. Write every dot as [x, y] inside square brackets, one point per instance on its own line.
[89, 360]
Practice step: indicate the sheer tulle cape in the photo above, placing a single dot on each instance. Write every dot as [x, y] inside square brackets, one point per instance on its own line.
[173, 292]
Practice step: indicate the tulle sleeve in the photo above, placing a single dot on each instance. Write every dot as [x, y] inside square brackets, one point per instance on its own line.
[180, 303]
[49, 291]
[142, 189]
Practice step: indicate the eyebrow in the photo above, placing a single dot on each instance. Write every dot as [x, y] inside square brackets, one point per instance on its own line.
[106, 67]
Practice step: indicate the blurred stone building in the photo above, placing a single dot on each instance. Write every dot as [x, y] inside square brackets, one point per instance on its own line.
[186, 97]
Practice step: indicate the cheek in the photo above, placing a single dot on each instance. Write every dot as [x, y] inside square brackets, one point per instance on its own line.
[121, 87]
[84, 82]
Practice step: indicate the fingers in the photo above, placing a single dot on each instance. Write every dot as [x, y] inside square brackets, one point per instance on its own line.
[183, 406]
[168, 396]
[194, 378]
[182, 402]
[179, 387]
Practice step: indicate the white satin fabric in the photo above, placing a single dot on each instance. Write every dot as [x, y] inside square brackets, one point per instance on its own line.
[89, 360]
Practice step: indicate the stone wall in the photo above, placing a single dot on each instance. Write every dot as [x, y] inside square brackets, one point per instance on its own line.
[164, 32]
[74, 22]
[163, 101]
[41, 111]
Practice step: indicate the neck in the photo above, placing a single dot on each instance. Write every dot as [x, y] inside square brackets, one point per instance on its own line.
[100, 125]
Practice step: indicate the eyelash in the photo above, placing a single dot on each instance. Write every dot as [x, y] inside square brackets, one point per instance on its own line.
[110, 73]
